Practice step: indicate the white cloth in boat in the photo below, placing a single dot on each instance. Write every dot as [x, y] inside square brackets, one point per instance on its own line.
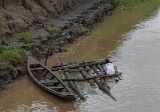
[110, 69]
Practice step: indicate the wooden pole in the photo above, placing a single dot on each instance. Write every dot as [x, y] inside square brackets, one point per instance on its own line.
[62, 75]
[91, 75]
[73, 86]
[85, 79]
[101, 87]
[60, 59]
[85, 76]
[102, 70]
[75, 66]
[47, 56]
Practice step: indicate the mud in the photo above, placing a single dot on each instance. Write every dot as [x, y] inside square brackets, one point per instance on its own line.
[9, 76]
[70, 25]
[54, 24]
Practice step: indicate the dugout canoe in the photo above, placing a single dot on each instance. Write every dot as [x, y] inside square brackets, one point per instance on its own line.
[47, 80]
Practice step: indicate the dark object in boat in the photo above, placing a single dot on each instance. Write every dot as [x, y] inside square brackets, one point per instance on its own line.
[45, 79]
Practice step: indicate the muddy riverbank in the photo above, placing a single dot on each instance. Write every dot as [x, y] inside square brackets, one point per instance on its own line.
[54, 30]
[66, 27]
[47, 27]
[137, 92]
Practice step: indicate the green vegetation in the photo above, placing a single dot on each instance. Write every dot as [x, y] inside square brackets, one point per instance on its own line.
[53, 30]
[97, 33]
[43, 3]
[84, 29]
[26, 37]
[128, 3]
[3, 40]
[71, 51]
[40, 36]
[12, 56]
[124, 3]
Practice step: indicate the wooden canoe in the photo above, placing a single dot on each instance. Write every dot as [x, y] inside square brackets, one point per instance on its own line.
[48, 81]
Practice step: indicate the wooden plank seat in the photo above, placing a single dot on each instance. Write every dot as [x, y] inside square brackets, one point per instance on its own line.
[48, 82]
[39, 68]
[35, 65]
[56, 88]
[65, 93]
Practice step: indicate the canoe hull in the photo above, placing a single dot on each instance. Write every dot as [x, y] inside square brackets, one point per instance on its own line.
[48, 81]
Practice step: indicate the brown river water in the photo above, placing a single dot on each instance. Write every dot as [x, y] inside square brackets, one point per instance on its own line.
[131, 39]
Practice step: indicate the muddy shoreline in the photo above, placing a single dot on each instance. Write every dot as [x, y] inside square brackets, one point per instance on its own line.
[73, 22]
[66, 27]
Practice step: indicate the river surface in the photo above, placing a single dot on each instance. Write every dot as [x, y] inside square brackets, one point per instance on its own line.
[131, 39]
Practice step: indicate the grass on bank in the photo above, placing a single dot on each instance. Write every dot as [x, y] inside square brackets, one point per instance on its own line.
[26, 37]
[53, 30]
[128, 3]
[12, 56]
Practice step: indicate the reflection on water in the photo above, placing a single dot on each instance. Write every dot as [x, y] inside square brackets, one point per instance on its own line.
[136, 53]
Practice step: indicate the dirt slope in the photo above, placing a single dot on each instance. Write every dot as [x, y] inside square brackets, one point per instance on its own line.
[18, 15]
